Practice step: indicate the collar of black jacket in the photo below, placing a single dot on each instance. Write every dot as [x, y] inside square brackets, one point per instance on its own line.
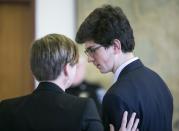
[48, 86]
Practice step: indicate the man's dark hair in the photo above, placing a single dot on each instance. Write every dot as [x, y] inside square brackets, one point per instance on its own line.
[105, 24]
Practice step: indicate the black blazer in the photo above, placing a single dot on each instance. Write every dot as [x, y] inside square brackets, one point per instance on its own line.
[49, 108]
[139, 89]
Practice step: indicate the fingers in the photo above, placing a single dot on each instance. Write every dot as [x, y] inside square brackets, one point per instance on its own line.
[124, 120]
[131, 121]
[111, 127]
[132, 124]
[134, 128]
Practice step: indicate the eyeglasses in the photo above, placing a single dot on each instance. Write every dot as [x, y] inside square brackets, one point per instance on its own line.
[91, 51]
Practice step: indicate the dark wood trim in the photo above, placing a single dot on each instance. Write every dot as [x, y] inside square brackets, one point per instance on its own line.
[15, 1]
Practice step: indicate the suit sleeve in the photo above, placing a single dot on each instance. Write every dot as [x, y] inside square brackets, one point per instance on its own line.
[91, 120]
[113, 109]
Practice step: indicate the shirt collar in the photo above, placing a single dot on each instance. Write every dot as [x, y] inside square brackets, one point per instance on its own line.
[121, 67]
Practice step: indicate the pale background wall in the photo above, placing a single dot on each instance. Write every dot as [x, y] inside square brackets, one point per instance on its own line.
[55, 16]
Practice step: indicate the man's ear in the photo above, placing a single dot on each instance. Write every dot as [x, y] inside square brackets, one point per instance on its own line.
[117, 45]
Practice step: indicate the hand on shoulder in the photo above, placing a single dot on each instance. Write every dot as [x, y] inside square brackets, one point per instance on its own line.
[130, 126]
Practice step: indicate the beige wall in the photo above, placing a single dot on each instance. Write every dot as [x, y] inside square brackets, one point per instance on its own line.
[155, 24]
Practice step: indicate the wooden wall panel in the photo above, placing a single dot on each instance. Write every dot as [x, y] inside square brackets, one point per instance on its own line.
[16, 35]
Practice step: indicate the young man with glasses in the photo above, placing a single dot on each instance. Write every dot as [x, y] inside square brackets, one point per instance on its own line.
[109, 43]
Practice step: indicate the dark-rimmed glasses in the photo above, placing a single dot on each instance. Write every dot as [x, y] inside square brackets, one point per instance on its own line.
[90, 51]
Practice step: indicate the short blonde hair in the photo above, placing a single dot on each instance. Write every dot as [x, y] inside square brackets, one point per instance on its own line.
[50, 54]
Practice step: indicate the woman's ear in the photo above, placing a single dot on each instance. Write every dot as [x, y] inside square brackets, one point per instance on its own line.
[66, 69]
[117, 45]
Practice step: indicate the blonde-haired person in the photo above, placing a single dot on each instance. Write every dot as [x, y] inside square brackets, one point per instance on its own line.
[48, 108]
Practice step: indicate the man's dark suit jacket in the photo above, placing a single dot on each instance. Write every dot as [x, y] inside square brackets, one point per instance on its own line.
[140, 90]
[49, 108]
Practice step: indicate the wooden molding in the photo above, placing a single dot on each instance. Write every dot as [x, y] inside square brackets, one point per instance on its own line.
[14, 1]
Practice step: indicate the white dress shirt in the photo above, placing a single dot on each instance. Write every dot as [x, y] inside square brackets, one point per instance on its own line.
[121, 67]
